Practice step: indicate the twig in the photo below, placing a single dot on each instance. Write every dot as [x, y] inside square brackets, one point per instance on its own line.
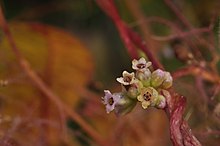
[178, 13]
[111, 11]
[187, 24]
[215, 92]
[36, 80]
[129, 37]
[201, 88]
[152, 19]
[142, 45]
[181, 35]
[196, 71]
[144, 28]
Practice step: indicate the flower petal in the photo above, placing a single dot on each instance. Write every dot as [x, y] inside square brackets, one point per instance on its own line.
[127, 78]
[110, 100]
[140, 98]
[140, 64]
[148, 64]
[145, 104]
[121, 80]
[106, 97]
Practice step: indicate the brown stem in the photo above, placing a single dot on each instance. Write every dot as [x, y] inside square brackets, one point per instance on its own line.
[201, 88]
[181, 34]
[187, 24]
[135, 10]
[178, 13]
[37, 81]
[143, 46]
[129, 37]
[196, 71]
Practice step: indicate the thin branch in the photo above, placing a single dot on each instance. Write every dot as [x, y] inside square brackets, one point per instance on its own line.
[178, 13]
[196, 71]
[143, 46]
[173, 27]
[181, 35]
[135, 10]
[130, 38]
[187, 24]
[157, 19]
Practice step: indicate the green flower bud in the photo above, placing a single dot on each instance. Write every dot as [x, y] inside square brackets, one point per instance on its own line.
[132, 92]
[161, 79]
[157, 78]
[161, 102]
[144, 77]
[124, 106]
[167, 83]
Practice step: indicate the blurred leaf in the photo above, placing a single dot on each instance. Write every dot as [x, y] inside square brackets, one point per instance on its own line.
[59, 58]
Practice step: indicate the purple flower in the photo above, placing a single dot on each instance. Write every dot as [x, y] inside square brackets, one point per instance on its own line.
[110, 100]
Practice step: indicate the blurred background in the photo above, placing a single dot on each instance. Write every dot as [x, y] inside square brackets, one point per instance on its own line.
[77, 51]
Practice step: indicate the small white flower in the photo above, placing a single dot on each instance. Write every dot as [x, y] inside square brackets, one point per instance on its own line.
[110, 100]
[140, 64]
[127, 78]
[147, 97]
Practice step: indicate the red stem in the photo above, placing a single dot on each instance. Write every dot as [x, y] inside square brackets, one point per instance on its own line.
[180, 132]
[130, 38]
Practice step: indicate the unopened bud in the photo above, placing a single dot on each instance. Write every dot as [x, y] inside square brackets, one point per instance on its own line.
[124, 106]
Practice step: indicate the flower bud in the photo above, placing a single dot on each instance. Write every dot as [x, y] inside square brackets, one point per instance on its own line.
[157, 78]
[167, 83]
[144, 77]
[132, 92]
[161, 79]
[124, 106]
[161, 102]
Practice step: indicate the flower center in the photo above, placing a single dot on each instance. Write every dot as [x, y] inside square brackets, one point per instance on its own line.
[141, 66]
[127, 79]
[147, 96]
[110, 101]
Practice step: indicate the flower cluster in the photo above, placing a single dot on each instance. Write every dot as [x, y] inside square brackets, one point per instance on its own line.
[141, 86]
